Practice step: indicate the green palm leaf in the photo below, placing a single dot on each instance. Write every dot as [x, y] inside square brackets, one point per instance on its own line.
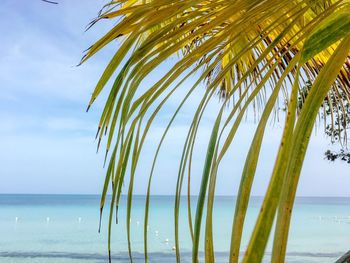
[238, 48]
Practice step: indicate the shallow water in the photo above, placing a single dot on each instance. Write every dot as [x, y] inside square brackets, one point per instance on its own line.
[64, 228]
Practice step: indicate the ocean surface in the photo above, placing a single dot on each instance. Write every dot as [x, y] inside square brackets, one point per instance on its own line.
[64, 228]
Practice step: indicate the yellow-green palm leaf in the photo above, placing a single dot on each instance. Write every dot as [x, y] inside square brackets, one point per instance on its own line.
[236, 48]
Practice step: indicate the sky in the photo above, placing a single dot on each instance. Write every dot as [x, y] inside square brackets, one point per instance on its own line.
[47, 139]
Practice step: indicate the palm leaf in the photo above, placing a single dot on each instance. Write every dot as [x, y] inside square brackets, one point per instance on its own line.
[238, 49]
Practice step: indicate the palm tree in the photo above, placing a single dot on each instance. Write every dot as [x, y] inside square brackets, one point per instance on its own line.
[237, 48]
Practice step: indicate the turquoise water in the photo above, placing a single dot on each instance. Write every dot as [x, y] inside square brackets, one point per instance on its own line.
[64, 228]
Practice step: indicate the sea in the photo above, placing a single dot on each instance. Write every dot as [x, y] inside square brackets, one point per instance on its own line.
[64, 228]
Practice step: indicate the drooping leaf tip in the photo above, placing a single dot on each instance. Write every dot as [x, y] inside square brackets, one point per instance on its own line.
[99, 224]
[98, 131]
[50, 2]
[88, 107]
[82, 59]
[116, 214]
[90, 103]
[105, 160]
[98, 144]
[86, 51]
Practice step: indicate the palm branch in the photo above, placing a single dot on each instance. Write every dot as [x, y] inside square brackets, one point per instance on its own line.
[237, 48]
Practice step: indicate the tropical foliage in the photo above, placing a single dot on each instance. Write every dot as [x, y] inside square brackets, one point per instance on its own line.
[248, 52]
[335, 114]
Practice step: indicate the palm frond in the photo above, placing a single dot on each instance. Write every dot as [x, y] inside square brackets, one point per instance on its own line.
[237, 48]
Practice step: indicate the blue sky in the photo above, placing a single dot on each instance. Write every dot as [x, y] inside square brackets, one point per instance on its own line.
[47, 139]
